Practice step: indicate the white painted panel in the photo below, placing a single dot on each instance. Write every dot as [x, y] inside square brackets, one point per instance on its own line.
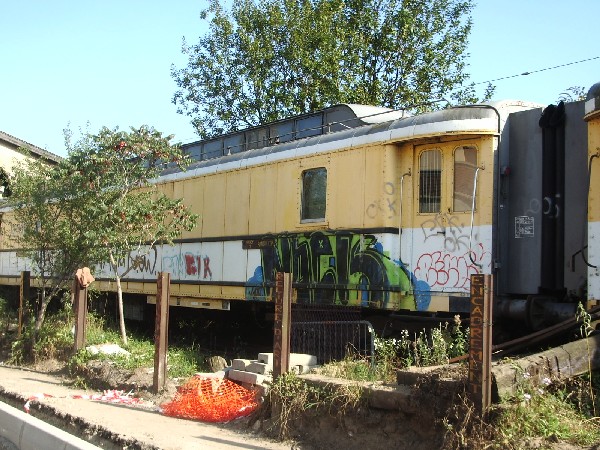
[212, 262]
[5, 263]
[172, 261]
[593, 258]
[446, 261]
[234, 261]
[254, 266]
[390, 245]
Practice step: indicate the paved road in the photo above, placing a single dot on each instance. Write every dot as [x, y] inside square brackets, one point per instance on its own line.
[138, 427]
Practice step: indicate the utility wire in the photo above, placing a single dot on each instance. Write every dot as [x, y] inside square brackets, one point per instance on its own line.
[536, 71]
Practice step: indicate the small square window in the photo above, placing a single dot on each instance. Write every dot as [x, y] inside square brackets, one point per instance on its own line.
[314, 194]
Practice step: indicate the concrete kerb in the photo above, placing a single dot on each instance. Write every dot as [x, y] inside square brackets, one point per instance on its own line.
[27, 432]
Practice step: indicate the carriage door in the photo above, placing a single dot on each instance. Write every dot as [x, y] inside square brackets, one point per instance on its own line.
[443, 200]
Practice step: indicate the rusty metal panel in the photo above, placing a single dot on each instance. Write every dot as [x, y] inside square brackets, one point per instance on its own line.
[282, 323]
[80, 295]
[480, 341]
[23, 297]
[237, 203]
[346, 186]
[161, 331]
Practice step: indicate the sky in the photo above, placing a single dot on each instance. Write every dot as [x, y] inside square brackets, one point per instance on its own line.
[85, 64]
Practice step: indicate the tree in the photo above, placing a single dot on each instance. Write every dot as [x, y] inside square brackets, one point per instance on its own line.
[46, 228]
[572, 94]
[124, 212]
[265, 60]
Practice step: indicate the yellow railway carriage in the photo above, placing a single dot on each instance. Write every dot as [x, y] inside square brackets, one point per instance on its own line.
[379, 209]
[592, 181]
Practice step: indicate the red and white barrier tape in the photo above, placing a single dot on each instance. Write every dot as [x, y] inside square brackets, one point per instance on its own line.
[109, 396]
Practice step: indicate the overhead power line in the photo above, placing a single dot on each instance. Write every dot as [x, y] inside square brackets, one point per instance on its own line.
[538, 70]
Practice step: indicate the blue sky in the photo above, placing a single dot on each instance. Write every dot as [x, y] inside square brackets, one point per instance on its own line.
[107, 63]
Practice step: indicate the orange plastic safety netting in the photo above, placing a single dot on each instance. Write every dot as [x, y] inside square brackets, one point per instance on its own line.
[211, 400]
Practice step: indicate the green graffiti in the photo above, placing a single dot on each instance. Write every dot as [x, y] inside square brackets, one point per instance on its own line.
[334, 268]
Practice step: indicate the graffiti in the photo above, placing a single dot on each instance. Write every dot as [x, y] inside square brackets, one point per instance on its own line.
[442, 269]
[143, 263]
[331, 268]
[386, 205]
[135, 261]
[188, 265]
[534, 207]
[447, 226]
[552, 206]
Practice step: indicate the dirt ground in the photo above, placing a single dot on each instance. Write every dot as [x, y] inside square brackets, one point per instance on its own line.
[115, 425]
[54, 397]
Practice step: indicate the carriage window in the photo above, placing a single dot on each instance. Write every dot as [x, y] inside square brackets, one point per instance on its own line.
[465, 164]
[314, 189]
[430, 177]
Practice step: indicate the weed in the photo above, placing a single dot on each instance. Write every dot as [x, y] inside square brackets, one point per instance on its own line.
[291, 397]
[586, 329]
[350, 368]
[53, 341]
[543, 411]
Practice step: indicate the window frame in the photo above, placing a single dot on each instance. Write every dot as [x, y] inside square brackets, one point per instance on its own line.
[304, 195]
[439, 181]
[469, 204]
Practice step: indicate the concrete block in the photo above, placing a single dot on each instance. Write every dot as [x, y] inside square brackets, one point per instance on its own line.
[240, 364]
[258, 367]
[296, 359]
[302, 370]
[247, 377]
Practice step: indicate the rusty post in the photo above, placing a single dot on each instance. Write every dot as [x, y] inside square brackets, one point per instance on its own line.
[23, 297]
[282, 325]
[480, 342]
[80, 307]
[83, 278]
[161, 330]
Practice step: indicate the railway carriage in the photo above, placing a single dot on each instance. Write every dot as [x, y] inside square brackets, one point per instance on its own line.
[382, 210]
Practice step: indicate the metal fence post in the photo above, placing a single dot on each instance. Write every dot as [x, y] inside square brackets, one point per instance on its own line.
[282, 325]
[480, 342]
[161, 330]
[23, 297]
[83, 278]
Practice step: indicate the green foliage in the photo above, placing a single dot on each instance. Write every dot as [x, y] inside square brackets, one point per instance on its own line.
[112, 172]
[8, 315]
[183, 362]
[543, 411]
[573, 94]
[54, 340]
[97, 206]
[391, 354]
[586, 330]
[122, 213]
[351, 368]
[268, 59]
[435, 347]
[548, 410]
[45, 228]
